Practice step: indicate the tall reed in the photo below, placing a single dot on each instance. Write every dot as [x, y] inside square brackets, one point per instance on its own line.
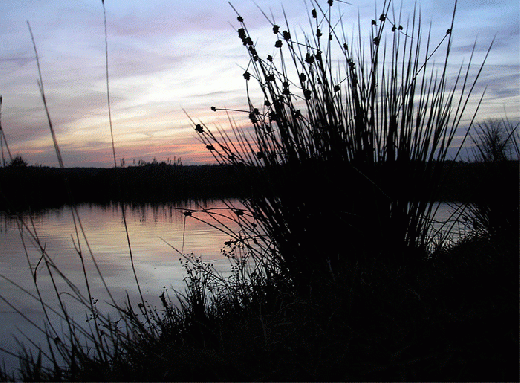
[344, 149]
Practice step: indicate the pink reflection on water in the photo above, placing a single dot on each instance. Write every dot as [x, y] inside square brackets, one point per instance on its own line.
[153, 231]
[189, 227]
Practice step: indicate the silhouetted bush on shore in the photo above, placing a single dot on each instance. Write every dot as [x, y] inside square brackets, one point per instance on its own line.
[453, 319]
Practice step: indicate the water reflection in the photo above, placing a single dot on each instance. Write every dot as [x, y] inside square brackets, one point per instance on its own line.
[150, 227]
[153, 231]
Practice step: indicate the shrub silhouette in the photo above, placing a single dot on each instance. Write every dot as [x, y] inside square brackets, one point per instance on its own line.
[495, 189]
[18, 162]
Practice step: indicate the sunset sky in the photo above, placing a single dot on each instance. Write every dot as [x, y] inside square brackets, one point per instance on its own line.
[170, 55]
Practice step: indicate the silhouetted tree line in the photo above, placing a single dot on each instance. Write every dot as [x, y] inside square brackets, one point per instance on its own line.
[22, 185]
[40, 187]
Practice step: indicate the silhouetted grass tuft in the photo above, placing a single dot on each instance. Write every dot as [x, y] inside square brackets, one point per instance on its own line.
[365, 123]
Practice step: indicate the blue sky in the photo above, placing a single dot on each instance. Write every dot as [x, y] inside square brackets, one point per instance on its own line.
[166, 56]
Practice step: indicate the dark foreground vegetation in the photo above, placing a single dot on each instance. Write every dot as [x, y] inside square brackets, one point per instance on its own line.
[358, 289]
[453, 318]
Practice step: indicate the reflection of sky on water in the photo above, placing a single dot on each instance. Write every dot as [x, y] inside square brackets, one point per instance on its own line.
[448, 223]
[152, 229]
[157, 265]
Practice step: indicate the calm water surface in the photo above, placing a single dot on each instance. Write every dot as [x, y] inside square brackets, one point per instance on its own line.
[153, 231]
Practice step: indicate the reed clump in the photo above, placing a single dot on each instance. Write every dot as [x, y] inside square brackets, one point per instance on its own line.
[364, 122]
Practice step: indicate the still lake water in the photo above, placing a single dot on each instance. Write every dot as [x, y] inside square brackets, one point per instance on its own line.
[153, 230]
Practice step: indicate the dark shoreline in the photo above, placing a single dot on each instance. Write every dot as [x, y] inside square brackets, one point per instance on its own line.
[36, 188]
[43, 187]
